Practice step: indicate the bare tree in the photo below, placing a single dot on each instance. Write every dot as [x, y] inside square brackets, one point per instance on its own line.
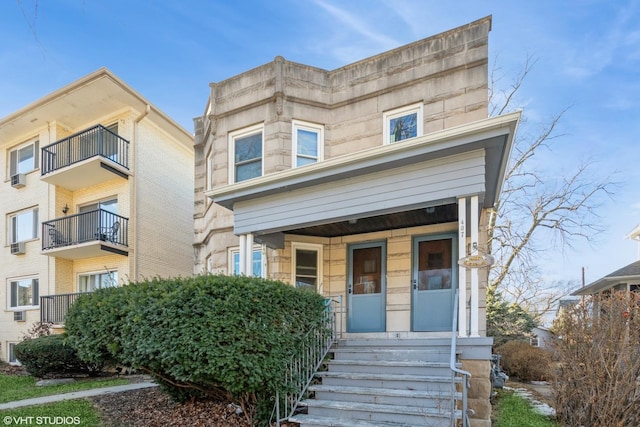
[537, 212]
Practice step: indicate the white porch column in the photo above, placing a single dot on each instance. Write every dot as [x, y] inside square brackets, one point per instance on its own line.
[249, 255]
[462, 271]
[475, 291]
[242, 262]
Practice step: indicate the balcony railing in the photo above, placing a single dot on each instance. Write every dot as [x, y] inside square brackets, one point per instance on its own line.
[54, 308]
[97, 225]
[95, 141]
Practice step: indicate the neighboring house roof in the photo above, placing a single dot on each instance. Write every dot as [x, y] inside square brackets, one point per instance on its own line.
[625, 274]
[95, 95]
[634, 234]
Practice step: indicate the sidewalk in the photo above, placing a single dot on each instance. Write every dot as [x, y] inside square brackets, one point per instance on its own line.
[75, 395]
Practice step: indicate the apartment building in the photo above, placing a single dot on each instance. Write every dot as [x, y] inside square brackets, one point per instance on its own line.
[372, 183]
[97, 192]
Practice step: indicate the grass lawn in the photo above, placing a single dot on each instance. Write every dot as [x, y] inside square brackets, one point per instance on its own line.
[69, 412]
[515, 411]
[15, 387]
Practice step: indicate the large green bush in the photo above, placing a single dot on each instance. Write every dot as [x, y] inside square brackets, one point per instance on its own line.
[217, 336]
[50, 356]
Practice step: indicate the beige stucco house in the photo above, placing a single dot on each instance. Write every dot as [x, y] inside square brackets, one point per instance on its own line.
[97, 192]
[366, 183]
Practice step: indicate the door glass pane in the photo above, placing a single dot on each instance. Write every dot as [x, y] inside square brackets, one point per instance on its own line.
[434, 264]
[367, 271]
[306, 268]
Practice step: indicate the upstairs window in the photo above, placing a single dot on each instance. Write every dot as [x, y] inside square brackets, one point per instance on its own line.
[403, 123]
[23, 159]
[23, 293]
[308, 143]
[246, 154]
[24, 225]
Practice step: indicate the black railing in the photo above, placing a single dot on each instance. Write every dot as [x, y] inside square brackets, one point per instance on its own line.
[95, 141]
[54, 308]
[85, 227]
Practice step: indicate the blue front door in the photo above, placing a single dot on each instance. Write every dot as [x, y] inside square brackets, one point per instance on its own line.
[366, 287]
[435, 278]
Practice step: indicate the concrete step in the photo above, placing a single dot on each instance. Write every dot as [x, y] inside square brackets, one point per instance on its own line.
[411, 415]
[396, 342]
[306, 420]
[407, 367]
[434, 383]
[366, 353]
[385, 396]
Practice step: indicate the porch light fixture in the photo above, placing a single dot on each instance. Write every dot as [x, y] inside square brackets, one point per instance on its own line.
[65, 209]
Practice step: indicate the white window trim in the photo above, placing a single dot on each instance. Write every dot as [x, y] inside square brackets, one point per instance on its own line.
[209, 172]
[16, 362]
[13, 239]
[22, 307]
[311, 127]
[236, 250]
[403, 111]
[36, 155]
[308, 246]
[93, 273]
[241, 133]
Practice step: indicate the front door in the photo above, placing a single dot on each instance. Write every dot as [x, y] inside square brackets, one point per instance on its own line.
[366, 287]
[434, 280]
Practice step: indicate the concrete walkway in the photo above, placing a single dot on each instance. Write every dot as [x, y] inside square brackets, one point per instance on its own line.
[75, 395]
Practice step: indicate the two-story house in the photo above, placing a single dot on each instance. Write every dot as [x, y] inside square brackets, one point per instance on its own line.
[372, 183]
[97, 192]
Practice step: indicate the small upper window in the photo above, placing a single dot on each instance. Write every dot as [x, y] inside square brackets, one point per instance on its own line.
[24, 225]
[23, 159]
[308, 143]
[23, 293]
[403, 123]
[246, 154]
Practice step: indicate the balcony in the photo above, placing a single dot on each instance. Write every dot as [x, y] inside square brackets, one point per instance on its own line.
[86, 158]
[54, 308]
[86, 235]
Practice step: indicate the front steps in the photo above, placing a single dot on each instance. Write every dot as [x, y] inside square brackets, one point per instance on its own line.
[384, 382]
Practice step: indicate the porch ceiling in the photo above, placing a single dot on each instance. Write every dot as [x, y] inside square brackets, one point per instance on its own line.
[412, 218]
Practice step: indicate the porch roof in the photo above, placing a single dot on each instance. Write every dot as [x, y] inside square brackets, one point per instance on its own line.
[474, 155]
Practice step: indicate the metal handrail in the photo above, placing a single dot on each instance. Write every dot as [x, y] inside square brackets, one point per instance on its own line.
[466, 376]
[303, 366]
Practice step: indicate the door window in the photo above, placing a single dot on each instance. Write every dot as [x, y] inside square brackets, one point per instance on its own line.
[434, 264]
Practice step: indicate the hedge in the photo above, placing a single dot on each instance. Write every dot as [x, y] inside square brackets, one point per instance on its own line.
[212, 335]
[50, 356]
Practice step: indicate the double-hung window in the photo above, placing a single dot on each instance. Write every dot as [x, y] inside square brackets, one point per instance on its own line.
[259, 269]
[23, 293]
[24, 158]
[246, 148]
[24, 225]
[93, 281]
[307, 265]
[308, 143]
[403, 123]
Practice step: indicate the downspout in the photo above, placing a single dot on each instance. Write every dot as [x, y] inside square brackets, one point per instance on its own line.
[134, 192]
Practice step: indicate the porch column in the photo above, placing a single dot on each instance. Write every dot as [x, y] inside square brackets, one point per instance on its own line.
[249, 255]
[242, 262]
[462, 271]
[475, 291]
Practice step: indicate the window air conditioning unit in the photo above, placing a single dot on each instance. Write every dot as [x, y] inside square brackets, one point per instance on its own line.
[17, 248]
[18, 180]
[20, 316]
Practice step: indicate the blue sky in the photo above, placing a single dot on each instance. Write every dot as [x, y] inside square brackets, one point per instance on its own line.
[587, 52]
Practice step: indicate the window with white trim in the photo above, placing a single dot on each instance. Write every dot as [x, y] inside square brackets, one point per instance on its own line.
[403, 123]
[308, 143]
[259, 261]
[306, 265]
[246, 148]
[23, 293]
[11, 356]
[23, 225]
[24, 159]
[90, 282]
[209, 263]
